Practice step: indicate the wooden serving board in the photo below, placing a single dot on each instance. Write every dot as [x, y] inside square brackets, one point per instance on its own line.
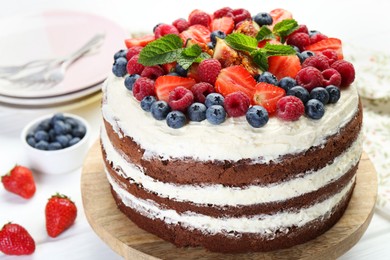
[131, 242]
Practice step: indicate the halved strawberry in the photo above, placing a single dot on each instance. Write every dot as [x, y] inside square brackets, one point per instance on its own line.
[284, 66]
[224, 24]
[140, 41]
[165, 84]
[267, 96]
[196, 32]
[327, 44]
[169, 67]
[233, 79]
[279, 15]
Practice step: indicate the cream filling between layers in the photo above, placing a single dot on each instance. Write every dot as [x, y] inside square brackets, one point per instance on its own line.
[218, 194]
[263, 224]
[233, 140]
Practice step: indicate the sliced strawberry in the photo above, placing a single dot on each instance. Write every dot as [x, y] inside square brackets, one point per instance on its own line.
[284, 66]
[165, 84]
[169, 67]
[279, 15]
[327, 44]
[193, 72]
[141, 41]
[197, 32]
[224, 24]
[233, 79]
[267, 96]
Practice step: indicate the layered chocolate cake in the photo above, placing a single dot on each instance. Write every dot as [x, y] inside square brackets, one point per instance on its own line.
[232, 132]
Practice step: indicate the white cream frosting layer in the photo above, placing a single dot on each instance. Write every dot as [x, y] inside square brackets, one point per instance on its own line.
[233, 140]
[253, 194]
[263, 224]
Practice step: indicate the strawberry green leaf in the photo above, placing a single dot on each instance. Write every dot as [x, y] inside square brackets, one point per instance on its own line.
[260, 57]
[241, 42]
[264, 34]
[284, 28]
[278, 50]
[161, 51]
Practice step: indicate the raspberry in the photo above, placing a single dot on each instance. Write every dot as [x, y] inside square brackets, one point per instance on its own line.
[346, 70]
[152, 72]
[241, 15]
[317, 37]
[290, 108]
[301, 29]
[201, 90]
[299, 40]
[226, 11]
[133, 67]
[318, 61]
[331, 55]
[133, 51]
[236, 104]
[181, 24]
[143, 87]
[309, 78]
[164, 29]
[208, 70]
[199, 17]
[180, 98]
[331, 77]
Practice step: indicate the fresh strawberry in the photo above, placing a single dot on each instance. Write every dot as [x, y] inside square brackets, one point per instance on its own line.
[169, 67]
[15, 240]
[325, 44]
[279, 15]
[284, 66]
[193, 72]
[60, 213]
[197, 32]
[140, 41]
[267, 96]
[224, 24]
[165, 84]
[20, 181]
[233, 79]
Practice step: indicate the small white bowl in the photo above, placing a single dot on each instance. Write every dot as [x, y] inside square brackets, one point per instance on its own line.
[56, 161]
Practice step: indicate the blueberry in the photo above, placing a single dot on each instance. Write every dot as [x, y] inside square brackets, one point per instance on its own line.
[120, 54]
[320, 94]
[54, 146]
[263, 19]
[215, 34]
[130, 80]
[267, 77]
[119, 67]
[210, 45]
[304, 55]
[257, 116]
[74, 141]
[313, 32]
[215, 114]
[42, 145]
[214, 99]
[44, 125]
[286, 83]
[197, 112]
[63, 140]
[176, 119]
[79, 131]
[160, 109]
[299, 92]
[180, 70]
[31, 141]
[61, 128]
[41, 135]
[71, 121]
[334, 93]
[52, 135]
[57, 116]
[147, 102]
[314, 109]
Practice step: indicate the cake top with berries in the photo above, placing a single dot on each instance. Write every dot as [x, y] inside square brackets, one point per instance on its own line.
[230, 70]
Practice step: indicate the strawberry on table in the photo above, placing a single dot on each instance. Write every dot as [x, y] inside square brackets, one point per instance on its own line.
[15, 240]
[327, 44]
[60, 213]
[165, 84]
[20, 180]
[267, 96]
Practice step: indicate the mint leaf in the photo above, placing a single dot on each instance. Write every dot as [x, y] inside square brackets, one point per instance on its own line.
[284, 28]
[278, 50]
[264, 34]
[241, 42]
[260, 57]
[161, 51]
[190, 55]
[202, 56]
[192, 51]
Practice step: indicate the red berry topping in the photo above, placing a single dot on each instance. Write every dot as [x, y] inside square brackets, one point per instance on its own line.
[15, 240]
[223, 12]
[318, 61]
[180, 98]
[317, 37]
[331, 77]
[133, 51]
[299, 40]
[152, 72]
[164, 29]
[241, 15]
[165, 84]
[141, 41]
[325, 44]
[279, 15]
[201, 90]
[236, 104]
[301, 29]
[208, 70]
[331, 55]
[181, 24]
[346, 70]
[267, 96]
[199, 17]
[284, 66]
[197, 33]
[20, 180]
[133, 67]
[309, 78]
[224, 24]
[290, 108]
[143, 87]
